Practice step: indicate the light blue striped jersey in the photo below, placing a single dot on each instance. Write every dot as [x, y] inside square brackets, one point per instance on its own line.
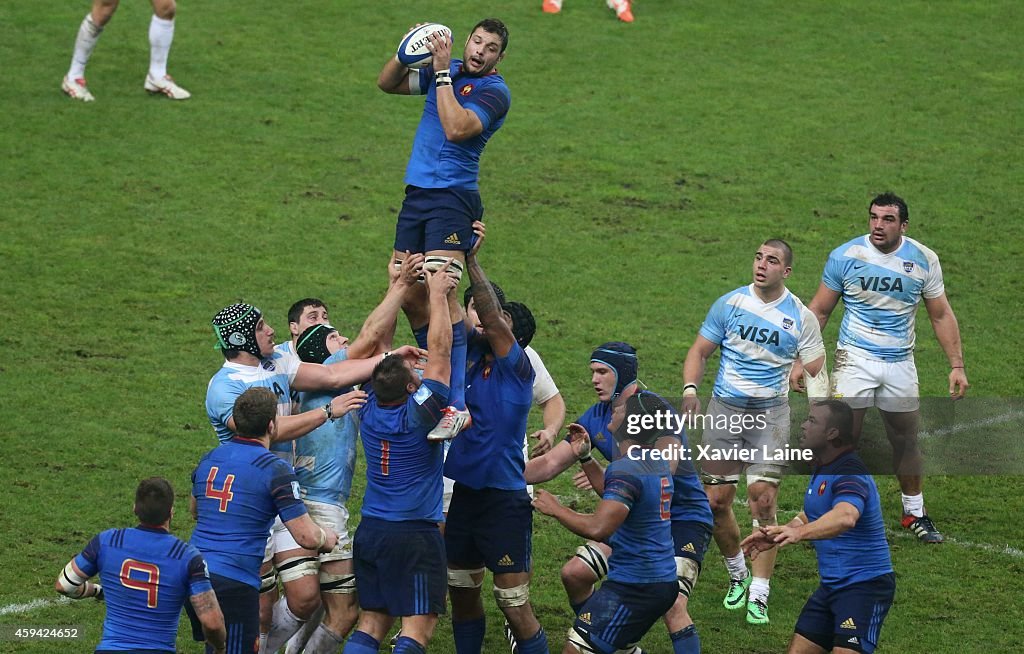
[325, 458]
[233, 379]
[881, 293]
[759, 344]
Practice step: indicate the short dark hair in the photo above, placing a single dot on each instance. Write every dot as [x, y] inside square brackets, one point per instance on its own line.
[468, 294]
[254, 410]
[295, 312]
[494, 26]
[840, 417]
[389, 379]
[153, 500]
[890, 199]
[787, 252]
[523, 324]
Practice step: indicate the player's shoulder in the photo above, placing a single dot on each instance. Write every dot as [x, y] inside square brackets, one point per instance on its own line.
[916, 249]
[857, 245]
[849, 464]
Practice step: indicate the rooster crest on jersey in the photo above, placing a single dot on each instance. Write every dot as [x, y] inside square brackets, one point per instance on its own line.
[413, 51]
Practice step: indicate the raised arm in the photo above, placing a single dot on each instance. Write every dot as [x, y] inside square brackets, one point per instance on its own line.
[458, 122]
[947, 331]
[498, 332]
[394, 78]
[378, 329]
[439, 333]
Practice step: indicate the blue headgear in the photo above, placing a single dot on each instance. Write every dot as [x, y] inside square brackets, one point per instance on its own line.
[621, 358]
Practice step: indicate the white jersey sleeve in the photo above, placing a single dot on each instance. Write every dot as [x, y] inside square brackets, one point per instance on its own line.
[544, 387]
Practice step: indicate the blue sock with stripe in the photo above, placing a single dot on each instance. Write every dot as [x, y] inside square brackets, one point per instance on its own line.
[686, 641]
[406, 645]
[361, 643]
[457, 395]
[536, 645]
[421, 336]
[469, 635]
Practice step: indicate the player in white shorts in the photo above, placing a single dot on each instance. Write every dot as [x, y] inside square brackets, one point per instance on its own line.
[762, 329]
[881, 278]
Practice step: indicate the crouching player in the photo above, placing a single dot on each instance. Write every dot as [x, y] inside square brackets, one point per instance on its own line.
[399, 556]
[843, 516]
[634, 517]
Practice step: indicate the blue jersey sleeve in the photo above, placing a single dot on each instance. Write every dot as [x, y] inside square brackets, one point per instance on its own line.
[490, 104]
[517, 363]
[427, 404]
[713, 328]
[88, 561]
[198, 574]
[852, 489]
[284, 488]
[832, 277]
[621, 487]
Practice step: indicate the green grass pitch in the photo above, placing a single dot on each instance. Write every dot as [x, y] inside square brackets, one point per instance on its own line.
[638, 170]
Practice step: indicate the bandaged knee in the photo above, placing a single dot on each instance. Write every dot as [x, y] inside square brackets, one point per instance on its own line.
[435, 263]
[338, 584]
[512, 597]
[268, 581]
[464, 578]
[687, 571]
[298, 567]
[595, 559]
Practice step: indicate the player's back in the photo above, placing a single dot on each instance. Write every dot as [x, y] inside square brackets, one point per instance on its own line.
[147, 575]
[642, 546]
[499, 394]
[325, 458]
[239, 488]
[880, 294]
[403, 468]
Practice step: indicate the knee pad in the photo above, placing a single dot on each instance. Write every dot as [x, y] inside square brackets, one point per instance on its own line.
[687, 571]
[298, 567]
[268, 581]
[464, 578]
[340, 584]
[579, 641]
[510, 597]
[435, 263]
[594, 558]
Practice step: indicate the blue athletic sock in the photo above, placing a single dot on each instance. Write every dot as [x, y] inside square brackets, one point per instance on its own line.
[457, 395]
[406, 645]
[686, 641]
[421, 336]
[536, 645]
[361, 643]
[469, 636]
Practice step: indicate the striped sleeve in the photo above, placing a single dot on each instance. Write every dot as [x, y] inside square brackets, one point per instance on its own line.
[851, 489]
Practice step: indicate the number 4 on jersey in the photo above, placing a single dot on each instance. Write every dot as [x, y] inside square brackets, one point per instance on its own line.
[223, 493]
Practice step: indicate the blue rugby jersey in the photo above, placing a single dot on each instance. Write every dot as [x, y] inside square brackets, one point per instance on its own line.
[689, 501]
[499, 393]
[435, 161]
[403, 468]
[325, 458]
[233, 379]
[147, 576]
[880, 293]
[860, 553]
[240, 487]
[759, 343]
[642, 550]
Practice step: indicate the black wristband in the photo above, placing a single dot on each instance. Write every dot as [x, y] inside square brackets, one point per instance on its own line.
[587, 459]
[329, 411]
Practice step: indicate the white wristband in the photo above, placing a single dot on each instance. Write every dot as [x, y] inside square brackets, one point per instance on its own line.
[323, 538]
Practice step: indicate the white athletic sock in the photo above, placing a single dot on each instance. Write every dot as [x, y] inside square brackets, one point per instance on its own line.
[913, 505]
[323, 641]
[282, 626]
[88, 33]
[758, 589]
[736, 566]
[161, 33]
[263, 642]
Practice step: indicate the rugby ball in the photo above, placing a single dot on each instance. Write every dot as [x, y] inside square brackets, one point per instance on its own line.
[413, 51]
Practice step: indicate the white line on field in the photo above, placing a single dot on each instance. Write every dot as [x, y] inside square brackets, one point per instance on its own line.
[974, 424]
[995, 549]
[31, 606]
